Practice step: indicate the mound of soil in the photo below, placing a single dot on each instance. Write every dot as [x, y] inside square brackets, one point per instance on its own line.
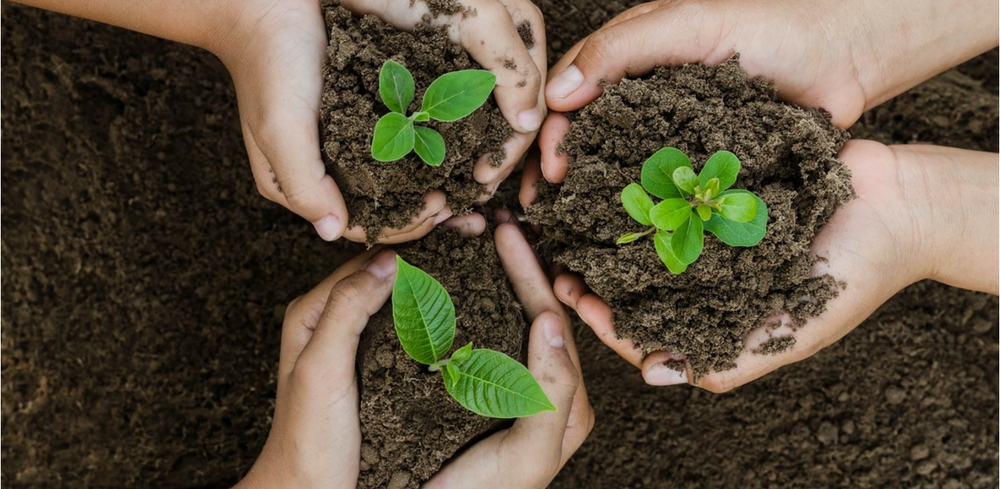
[388, 194]
[788, 157]
[409, 424]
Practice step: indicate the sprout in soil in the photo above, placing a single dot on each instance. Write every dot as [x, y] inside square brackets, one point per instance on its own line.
[692, 204]
[485, 382]
[449, 98]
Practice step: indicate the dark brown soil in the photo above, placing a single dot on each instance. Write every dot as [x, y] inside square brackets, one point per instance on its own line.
[409, 423]
[788, 158]
[143, 280]
[389, 194]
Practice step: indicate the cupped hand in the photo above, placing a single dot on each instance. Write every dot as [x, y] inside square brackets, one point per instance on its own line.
[531, 452]
[920, 212]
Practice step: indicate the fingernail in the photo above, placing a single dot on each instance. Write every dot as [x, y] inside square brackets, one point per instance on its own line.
[553, 331]
[441, 217]
[383, 265]
[661, 374]
[564, 83]
[329, 228]
[530, 120]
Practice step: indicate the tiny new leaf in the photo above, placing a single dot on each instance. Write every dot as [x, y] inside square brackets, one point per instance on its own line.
[662, 242]
[688, 241]
[395, 85]
[423, 314]
[630, 237]
[658, 172]
[722, 165]
[686, 180]
[738, 206]
[457, 94]
[429, 145]
[670, 214]
[740, 233]
[637, 203]
[393, 137]
[492, 384]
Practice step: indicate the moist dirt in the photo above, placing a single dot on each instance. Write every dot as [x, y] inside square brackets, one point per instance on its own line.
[144, 281]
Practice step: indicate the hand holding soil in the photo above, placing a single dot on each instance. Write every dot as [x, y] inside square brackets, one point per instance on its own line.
[315, 437]
[900, 229]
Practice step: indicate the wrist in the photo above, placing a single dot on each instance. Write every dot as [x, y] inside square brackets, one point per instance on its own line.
[951, 195]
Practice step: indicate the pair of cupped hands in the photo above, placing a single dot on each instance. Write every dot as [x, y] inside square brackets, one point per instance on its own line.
[917, 214]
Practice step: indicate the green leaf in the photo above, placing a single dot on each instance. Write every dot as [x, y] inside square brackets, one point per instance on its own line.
[710, 189]
[457, 94]
[423, 314]
[492, 384]
[685, 179]
[420, 117]
[704, 212]
[688, 241]
[462, 354]
[630, 237]
[738, 206]
[740, 233]
[670, 214]
[722, 165]
[662, 242]
[395, 85]
[637, 203]
[429, 145]
[393, 137]
[658, 171]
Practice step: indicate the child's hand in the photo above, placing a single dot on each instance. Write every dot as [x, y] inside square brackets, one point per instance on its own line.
[921, 212]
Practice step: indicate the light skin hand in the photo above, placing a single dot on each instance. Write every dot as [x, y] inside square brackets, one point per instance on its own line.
[845, 57]
[274, 51]
[921, 212]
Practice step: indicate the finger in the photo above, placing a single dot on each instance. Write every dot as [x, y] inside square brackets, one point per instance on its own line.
[661, 368]
[352, 301]
[569, 288]
[434, 212]
[283, 145]
[530, 175]
[621, 49]
[530, 453]
[597, 314]
[469, 225]
[529, 281]
[302, 314]
[487, 173]
[555, 162]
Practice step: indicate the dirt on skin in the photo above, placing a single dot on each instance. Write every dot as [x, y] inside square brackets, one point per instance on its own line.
[144, 281]
[410, 425]
[389, 194]
[788, 158]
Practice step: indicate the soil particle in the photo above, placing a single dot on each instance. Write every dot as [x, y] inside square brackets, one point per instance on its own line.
[527, 34]
[389, 194]
[788, 157]
[407, 415]
[775, 345]
[444, 7]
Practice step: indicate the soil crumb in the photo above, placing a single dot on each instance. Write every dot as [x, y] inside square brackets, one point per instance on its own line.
[527, 34]
[788, 157]
[775, 345]
[389, 194]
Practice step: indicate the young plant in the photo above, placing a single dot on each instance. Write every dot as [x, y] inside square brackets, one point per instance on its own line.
[449, 98]
[691, 205]
[485, 382]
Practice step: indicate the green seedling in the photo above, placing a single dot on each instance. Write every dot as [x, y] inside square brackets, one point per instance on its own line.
[449, 98]
[484, 381]
[691, 205]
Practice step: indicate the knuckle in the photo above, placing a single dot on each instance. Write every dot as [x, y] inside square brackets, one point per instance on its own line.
[599, 48]
[717, 384]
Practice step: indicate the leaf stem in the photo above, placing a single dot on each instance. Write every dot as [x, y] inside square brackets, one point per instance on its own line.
[438, 365]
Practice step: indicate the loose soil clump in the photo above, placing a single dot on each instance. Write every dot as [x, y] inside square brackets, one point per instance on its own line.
[788, 157]
[409, 423]
[390, 194]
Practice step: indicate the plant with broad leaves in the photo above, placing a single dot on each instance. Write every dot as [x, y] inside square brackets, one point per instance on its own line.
[485, 382]
[691, 205]
[449, 98]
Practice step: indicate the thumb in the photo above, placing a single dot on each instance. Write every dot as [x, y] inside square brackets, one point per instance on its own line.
[646, 38]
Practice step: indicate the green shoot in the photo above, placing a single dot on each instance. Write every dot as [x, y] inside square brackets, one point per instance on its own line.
[692, 204]
[449, 98]
[484, 381]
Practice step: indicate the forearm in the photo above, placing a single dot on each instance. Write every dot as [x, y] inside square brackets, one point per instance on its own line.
[954, 201]
[199, 23]
[901, 43]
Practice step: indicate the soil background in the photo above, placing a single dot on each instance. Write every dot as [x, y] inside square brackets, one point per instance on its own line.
[144, 280]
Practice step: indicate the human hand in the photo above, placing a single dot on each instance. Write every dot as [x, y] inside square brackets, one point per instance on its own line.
[921, 212]
[845, 57]
[532, 451]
